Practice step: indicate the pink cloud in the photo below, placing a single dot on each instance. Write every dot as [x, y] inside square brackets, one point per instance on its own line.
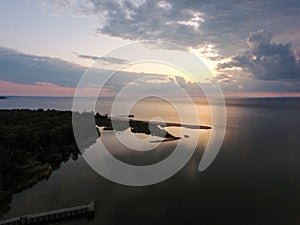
[43, 89]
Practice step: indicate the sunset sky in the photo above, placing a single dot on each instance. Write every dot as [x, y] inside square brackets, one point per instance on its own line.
[252, 48]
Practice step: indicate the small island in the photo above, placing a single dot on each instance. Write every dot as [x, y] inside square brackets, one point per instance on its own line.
[146, 127]
[3, 97]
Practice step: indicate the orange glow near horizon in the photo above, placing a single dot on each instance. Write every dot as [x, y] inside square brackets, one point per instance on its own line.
[49, 89]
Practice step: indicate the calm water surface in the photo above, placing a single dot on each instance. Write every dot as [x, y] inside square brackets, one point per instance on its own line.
[255, 178]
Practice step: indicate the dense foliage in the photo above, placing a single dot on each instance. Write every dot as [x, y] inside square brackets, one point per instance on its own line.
[45, 136]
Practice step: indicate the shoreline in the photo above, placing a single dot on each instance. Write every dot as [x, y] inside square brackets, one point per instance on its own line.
[34, 143]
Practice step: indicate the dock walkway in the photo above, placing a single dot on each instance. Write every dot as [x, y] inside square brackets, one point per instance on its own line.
[53, 215]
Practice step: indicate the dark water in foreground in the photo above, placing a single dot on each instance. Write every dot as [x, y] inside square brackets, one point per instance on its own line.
[255, 178]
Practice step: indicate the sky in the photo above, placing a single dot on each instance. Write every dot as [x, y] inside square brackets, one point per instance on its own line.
[251, 48]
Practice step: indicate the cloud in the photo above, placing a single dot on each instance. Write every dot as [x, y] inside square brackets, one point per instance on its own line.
[44, 89]
[25, 68]
[265, 60]
[27, 74]
[162, 86]
[39, 88]
[189, 23]
[156, 85]
[150, 20]
[108, 60]
[113, 60]
[225, 79]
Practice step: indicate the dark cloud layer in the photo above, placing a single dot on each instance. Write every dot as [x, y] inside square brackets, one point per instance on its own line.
[28, 69]
[265, 59]
[24, 68]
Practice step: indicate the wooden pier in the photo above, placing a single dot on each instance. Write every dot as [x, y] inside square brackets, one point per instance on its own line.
[87, 210]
